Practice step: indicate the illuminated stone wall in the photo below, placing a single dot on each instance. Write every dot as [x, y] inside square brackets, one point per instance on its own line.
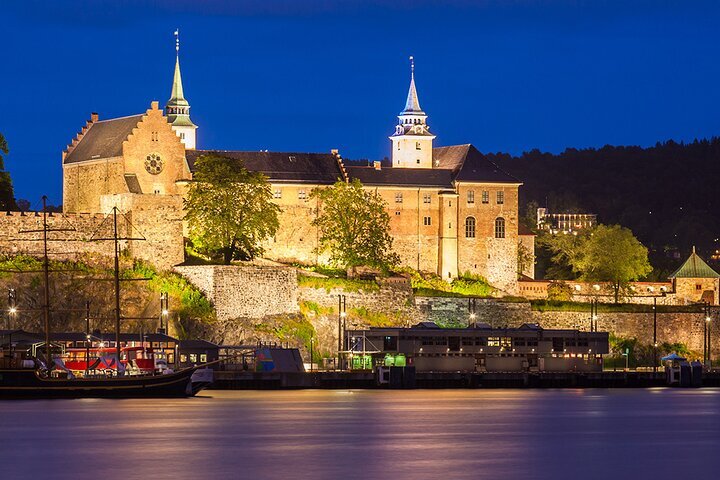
[246, 291]
[686, 328]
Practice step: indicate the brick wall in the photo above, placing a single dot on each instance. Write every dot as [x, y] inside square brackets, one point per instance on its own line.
[246, 291]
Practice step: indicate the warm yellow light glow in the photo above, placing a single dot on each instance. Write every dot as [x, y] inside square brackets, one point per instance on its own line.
[164, 312]
[343, 314]
[13, 310]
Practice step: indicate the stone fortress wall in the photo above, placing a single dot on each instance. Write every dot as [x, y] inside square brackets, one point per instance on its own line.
[156, 221]
[687, 328]
[246, 291]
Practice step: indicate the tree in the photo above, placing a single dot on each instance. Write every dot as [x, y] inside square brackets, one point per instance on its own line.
[612, 254]
[229, 209]
[7, 196]
[354, 226]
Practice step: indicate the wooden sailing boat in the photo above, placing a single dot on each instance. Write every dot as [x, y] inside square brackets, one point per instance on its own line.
[37, 381]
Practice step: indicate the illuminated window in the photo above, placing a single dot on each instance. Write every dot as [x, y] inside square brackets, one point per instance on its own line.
[500, 197]
[485, 196]
[500, 227]
[203, 358]
[426, 198]
[427, 221]
[398, 197]
[193, 358]
[183, 358]
[470, 227]
[506, 342]
[493, 341]
[471, 196]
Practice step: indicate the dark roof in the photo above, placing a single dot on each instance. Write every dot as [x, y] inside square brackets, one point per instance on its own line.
[695, 267]
[451, 157]
[476, 167]
[110, 336]
[197, 344]
[290, 167]
[416, 177]
[103, 139]
[523, 230]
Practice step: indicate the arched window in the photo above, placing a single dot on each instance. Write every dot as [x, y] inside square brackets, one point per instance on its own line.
[470, 227]
[499, 227]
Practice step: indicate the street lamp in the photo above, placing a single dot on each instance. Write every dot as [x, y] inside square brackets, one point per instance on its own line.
[164, 312]
[707, 329]
[341, 319]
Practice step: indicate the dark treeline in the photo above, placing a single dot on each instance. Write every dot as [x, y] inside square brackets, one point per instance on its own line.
[666, 194]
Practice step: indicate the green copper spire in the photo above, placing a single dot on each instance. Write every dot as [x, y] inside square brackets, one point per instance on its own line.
[177, 108]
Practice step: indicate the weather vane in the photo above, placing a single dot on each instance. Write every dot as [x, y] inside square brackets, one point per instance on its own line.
[177, 40]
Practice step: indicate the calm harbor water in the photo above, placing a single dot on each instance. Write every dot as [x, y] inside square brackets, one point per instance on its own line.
[418, 434]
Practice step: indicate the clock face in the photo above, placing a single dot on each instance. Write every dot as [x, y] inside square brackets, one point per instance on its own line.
[153, 164]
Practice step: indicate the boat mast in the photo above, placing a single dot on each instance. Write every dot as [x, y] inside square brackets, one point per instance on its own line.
[117, 288]
[46, 272]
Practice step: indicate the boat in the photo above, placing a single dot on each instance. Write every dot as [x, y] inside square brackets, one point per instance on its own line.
[36, 377]
[33, 383]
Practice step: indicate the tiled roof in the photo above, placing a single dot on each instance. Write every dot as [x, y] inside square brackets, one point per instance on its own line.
[103, 139]
[469, 165]
[695, 267]
[290, 167]
[451, 157]
[415, 177]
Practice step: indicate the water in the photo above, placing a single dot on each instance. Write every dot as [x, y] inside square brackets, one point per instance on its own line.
[418, 434]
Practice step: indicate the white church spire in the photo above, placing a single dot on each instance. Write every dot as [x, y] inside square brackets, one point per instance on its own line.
[412, 140]
[178, 108]
[412, 104]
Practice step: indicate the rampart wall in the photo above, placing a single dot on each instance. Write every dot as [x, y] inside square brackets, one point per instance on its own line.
[246, 291]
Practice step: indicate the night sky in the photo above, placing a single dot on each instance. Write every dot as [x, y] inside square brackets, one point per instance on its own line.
[310, 76]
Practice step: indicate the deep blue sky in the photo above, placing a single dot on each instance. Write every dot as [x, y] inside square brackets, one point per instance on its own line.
[311, 76]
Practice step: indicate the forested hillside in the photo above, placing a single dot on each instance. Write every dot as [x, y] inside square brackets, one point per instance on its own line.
[666, 194]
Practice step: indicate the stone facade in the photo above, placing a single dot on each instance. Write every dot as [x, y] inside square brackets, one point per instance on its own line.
[157, 224]
[687, 328]
[246, 291]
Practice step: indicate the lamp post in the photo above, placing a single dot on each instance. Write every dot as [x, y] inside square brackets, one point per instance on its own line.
[12, 307]
[655, 335]
[311, 353]
[471, 311]
[341, 317]
[87, 337]
[706, 324]
[164, 312]
[708, 361]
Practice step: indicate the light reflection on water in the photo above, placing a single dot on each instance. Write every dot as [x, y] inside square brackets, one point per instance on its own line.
[453, 434]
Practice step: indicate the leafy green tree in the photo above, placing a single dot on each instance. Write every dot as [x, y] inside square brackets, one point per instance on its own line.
[354, 226]
[563, 250]
[612, 254]
[7, 196]
[229, 209]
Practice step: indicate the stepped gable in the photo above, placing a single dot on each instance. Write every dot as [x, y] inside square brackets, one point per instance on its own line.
[101, 139]
[282, 167]
[414, 177]
[695, 267]
[469, 165]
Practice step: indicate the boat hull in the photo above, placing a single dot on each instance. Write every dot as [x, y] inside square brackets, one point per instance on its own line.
[28, 384]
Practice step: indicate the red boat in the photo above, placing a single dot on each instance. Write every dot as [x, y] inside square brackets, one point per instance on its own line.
[135, 360]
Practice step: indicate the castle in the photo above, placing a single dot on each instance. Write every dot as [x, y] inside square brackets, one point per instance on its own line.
[451, 210]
